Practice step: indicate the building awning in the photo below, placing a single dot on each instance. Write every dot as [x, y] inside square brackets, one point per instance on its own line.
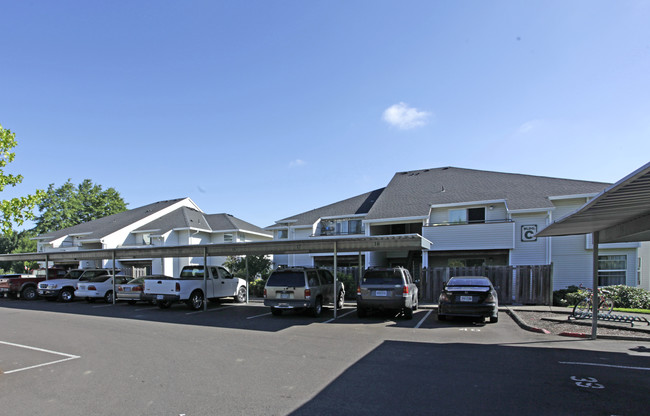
[621, 213]
[320, 245]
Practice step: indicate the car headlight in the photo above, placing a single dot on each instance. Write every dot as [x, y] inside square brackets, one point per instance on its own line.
[444, 297]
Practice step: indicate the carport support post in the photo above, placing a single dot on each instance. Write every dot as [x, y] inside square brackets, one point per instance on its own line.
[247, 278]
[47, 262]
[594, 296]
[114, 279]
[205, 279]
[335, 282]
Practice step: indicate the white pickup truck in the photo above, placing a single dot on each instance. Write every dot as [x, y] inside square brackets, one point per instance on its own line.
[192, 289]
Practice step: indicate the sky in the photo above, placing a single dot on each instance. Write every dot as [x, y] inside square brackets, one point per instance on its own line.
[266, 109]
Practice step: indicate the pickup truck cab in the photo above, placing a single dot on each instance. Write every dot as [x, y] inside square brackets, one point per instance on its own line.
[63, 289]
[191, 288]
[25, 287]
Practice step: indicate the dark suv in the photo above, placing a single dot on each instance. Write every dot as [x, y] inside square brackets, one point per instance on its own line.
[387, 288]
[303, 288]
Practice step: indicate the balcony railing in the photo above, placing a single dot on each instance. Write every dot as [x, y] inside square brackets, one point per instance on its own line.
[446, 223]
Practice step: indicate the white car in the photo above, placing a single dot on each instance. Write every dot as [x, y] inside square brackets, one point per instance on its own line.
[99, 287]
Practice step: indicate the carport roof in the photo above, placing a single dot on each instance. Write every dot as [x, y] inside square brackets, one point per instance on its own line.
[621, 213]
[313, 245]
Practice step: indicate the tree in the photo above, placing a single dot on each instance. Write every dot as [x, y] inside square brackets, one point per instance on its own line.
[18, 242]
[258, 266]
[15, 210]
[69, 205]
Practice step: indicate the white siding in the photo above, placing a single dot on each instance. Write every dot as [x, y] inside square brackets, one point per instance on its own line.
[529, 252]
[470, 236]
[644, 255]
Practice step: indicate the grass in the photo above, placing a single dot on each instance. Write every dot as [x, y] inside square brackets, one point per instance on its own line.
[632, 310]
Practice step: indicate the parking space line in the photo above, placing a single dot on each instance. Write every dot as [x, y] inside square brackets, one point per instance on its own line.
[605, 365]
[68, 357]
[423, 319]
[146, 309]
[340, 316]
[211, 310]
[257, 316]
[103, 306]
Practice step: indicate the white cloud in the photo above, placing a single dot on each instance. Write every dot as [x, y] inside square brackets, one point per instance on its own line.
[404, 117]
[296, 163]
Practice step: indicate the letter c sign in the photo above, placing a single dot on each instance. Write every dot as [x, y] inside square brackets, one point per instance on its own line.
[528, 233]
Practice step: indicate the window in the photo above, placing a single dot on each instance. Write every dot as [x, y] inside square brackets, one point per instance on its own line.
[227, 238]
[612, 270]
[467, 216]
[146, 239]
[282, 234]
[354, 227]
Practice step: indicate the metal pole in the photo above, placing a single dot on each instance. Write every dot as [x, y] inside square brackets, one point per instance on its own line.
[247, 279]
[114, 279]
[205, 279]
[47, 272]
[335, 282]
[595, 298]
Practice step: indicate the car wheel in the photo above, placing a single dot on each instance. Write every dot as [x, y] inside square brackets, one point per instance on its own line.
[241, 295]
[133, 302]
[408, 313]
[163, 304]
[28, 293]
[416, 303]
[276, 311]
[196, 300]
[318, 308]
[108, 297]
[361, 312]
[442, 317]
[340, 301]
[66, 295]
[494, 319]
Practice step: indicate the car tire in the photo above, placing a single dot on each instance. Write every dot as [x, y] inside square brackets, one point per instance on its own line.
[416, 303]
[408, 313]
[108, 297]
[163, 304]
[241, 295]
[494, 319]
[276, 311]
[195, 302]
[318, 308]
[341, 300]
[29, 293]
[66, 295]
[442, 317]
[132, 302]
[361, 312]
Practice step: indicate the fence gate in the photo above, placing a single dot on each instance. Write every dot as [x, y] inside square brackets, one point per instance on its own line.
[530, 285]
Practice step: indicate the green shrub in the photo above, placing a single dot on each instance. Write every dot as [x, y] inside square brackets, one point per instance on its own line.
[623, 296]
[256, 287]
[349, 284]
[568, 297]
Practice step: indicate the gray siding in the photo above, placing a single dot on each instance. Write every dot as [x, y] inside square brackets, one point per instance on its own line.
[529, 252]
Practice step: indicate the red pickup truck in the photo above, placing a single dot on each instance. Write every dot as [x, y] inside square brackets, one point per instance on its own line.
[15, 285]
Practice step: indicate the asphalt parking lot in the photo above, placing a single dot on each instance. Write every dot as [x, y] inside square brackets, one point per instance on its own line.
[236, 359]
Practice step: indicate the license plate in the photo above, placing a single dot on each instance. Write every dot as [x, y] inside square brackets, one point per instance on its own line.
[127, 289]
[160, 297]
[284, 296]
[466, 299]
[381, 293]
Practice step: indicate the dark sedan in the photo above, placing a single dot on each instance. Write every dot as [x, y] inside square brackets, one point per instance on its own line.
[469, 296]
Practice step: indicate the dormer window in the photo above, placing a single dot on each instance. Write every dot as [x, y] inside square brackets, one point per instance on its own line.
[467, 216]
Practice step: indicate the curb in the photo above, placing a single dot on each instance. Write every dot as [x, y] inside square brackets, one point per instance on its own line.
[523, 324]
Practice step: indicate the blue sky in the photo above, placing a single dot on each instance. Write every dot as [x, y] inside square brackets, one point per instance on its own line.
[264, 109]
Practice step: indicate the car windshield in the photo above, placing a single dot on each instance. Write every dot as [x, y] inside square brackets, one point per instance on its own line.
[73, 274]
[101, 278]
[286, 279]
[469, 282]
[383, 277]
[89, 274]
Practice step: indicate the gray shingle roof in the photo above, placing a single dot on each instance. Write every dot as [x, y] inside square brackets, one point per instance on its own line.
[360, 204]
[102, 227]
[410, 194]
[185, 217]
[226, 222]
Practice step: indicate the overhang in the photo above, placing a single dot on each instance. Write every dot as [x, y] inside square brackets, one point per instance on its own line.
[621, 213]
[320, 245]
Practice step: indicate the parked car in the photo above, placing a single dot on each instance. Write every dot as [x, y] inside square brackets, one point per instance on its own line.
[63, 289]
[387, 288]
[133, 290]
[469, 296]
[302, 288]
[99, 287]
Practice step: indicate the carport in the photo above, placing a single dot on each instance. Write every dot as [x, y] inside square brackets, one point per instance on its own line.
[306, 246]
[621, 213]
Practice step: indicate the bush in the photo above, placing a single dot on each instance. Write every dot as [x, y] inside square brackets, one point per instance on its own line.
[256, 288]
[349, 284]
[623, 296]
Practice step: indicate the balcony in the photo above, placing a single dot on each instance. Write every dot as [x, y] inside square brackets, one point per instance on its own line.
[489, 235]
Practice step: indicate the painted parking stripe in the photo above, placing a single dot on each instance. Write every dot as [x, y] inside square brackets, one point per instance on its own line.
[605, 365]
[340, 316]
[258, 316]
[423, 319]
[68, 357]
[211, 310]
